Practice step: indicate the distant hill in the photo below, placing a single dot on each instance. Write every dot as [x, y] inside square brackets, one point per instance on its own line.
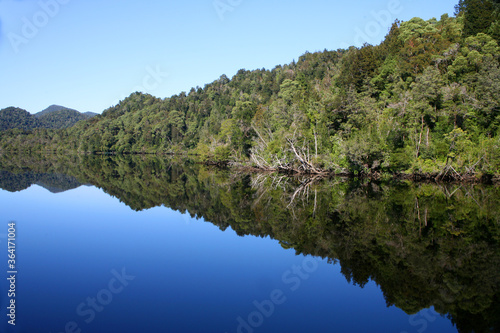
[52, 108]
[53, 117]
[17, 118]
[61, 118]
[90, 114]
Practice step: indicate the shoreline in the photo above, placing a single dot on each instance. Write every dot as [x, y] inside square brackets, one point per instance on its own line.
[434, 177]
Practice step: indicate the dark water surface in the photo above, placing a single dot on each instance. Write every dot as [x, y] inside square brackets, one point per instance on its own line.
[148, 244]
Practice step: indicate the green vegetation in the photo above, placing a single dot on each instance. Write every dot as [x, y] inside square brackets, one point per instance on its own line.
[423, 244]
[54, 117]
[61, 119]
[425, 102]
[17, 118]
[480, 16]
[52, 108]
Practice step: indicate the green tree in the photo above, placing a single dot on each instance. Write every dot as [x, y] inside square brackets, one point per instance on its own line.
[478, 15]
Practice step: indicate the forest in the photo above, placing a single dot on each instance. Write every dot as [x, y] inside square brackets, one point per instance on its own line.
[424, 102]
[54, 117]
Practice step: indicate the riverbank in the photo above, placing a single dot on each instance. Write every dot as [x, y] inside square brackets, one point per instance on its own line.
[435, 177]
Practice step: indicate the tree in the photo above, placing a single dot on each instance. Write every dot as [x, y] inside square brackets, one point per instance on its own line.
[478, 15]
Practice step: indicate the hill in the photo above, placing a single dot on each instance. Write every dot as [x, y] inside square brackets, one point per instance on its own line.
[12, 117]
[63, 118]
[52, 108]
[90, 114]
[53, 117]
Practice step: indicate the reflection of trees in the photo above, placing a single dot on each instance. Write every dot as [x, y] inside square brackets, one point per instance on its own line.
[448, 259]
[423, 244]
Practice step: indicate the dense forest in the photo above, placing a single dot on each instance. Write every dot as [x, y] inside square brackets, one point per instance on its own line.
[423, 244]
[52, 108]
[12, 117]
[425, 102]
[54, 117]
[61, 119]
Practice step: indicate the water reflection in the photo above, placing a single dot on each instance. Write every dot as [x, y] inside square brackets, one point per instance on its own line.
[425, 245]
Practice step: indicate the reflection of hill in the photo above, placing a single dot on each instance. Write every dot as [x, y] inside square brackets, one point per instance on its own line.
[18, 172]
[16, 182]
[424, 245]
[57, 183]
[54, 183]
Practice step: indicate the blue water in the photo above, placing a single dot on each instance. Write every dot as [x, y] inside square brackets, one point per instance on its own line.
[88, 263]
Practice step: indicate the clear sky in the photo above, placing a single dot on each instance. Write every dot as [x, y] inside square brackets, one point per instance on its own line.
[89, 54]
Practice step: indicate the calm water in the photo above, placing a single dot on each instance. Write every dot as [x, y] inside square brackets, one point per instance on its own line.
[143, 244]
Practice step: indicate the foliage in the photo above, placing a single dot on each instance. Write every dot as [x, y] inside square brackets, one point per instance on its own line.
[61, 119]
[478, 15]
[54, 117]
[11, 118]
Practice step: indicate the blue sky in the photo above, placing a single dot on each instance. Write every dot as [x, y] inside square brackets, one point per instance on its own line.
[88, 55]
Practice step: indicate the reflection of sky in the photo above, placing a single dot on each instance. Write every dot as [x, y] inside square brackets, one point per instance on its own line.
[190, 276]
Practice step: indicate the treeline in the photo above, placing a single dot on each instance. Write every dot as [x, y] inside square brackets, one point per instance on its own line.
[425, 101]
[423, 244]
